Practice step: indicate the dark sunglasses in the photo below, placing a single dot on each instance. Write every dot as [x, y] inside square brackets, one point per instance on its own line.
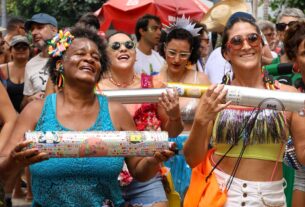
[282, 26]
[237, 42]
[117, 45]
[21, 46]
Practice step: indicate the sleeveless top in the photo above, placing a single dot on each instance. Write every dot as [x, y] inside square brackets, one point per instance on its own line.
[76, 181]
[263, 131]
[14, 90]
[188, 111]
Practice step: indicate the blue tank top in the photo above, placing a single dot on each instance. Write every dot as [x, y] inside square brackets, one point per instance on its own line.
[76, 181]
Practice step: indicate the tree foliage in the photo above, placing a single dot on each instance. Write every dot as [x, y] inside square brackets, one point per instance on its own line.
[278, 5]
[66, 11]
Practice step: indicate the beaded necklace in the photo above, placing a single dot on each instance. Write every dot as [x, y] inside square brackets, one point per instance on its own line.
[122, 85]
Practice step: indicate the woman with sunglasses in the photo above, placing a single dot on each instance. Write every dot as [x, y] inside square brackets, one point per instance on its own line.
[165, 115]
[294, 44]
[180, 51]
[13, 72]
[248, 142]
[77, 181]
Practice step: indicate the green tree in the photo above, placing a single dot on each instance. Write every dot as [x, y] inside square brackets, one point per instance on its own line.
[66, 11]
[277, 5]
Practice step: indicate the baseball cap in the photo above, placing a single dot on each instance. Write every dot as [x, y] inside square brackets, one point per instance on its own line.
[19, 39]
[40, 18]
[242, 15]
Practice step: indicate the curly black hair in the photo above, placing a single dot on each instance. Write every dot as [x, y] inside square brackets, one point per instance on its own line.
[82, 32]
[294, 36]
[183, 34]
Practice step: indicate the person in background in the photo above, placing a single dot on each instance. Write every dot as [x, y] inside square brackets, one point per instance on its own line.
[3, 50]
[268, 30]
[181, 50]
[89, 20]
[15, 26]
[43, 27]
[13, 72]
[284, 19]
[294, 45]
[149, 117]
[77, 181]
[204, 48]
[148, 33]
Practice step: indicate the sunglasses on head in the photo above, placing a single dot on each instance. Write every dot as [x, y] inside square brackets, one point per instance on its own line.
[117, 45]
[283, 26]
[237, 42]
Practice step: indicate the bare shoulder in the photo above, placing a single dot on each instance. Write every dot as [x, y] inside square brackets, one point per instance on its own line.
[33, 110]
[120, 117]
[158, 82]
[203, 78]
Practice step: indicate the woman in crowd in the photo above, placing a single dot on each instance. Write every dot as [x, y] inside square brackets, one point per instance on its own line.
[248, 156]
[13, 72]
[78, 181]
[294, 45]
[181, 50]
[165, 115]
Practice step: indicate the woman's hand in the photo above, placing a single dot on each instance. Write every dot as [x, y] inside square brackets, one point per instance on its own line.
[164, 155]
[211, 103]
[25, 157]
[170, 102]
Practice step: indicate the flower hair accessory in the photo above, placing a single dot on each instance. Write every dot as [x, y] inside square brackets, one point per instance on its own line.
[59, 44]
[183, 23]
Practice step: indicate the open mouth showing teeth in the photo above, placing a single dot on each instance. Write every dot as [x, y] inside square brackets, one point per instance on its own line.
[87, 68]
[123, 57]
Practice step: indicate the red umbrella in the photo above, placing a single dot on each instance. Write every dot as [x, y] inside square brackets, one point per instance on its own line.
[123, 14]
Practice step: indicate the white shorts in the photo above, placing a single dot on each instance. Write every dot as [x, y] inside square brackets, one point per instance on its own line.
[299, 180]
[252, 193]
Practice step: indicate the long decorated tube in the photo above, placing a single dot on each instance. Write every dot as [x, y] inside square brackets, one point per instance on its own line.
[99, 143]
[244, 96]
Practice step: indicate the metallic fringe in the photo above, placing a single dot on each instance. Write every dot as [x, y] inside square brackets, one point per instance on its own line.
[268, 127]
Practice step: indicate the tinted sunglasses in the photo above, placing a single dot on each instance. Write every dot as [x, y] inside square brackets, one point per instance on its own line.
[21, 46]
[237, 42]
[117, 45]
[283, 26]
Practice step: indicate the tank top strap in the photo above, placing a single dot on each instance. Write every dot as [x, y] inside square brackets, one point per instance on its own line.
[195, 76]
[8, 71]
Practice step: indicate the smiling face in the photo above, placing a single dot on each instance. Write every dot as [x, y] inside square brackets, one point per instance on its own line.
[123, 56]
[82, 62]
[177, 53]
[247, 57]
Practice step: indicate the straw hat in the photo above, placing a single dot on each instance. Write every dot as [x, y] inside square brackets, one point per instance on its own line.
[217, 16]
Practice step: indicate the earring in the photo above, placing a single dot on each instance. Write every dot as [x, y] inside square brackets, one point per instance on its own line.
[296, 68]
[60, 74]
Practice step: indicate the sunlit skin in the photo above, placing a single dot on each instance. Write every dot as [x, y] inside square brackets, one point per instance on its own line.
[82, 61]
[246, 60]
[123, 58]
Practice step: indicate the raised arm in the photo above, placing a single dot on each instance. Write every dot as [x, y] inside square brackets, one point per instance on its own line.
[196, 146]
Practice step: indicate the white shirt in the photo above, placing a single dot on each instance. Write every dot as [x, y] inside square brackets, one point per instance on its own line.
[143, 62]
[36, 75]
[216, 66]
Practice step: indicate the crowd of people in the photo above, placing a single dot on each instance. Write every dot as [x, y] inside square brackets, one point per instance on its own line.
[53, 80]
